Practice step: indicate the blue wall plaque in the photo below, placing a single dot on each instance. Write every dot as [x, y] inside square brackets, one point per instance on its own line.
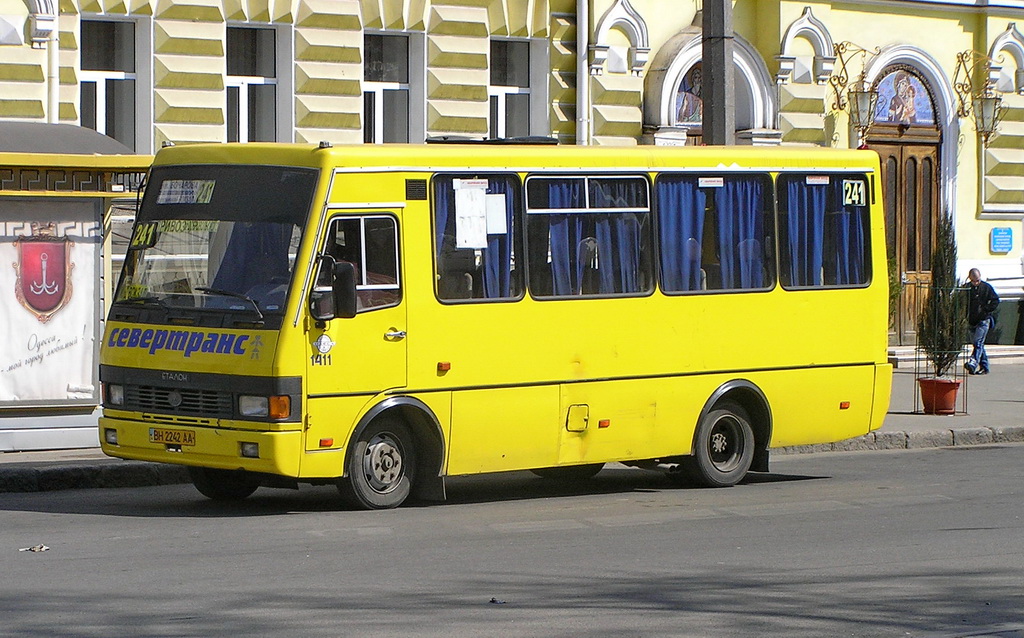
[1001, 240]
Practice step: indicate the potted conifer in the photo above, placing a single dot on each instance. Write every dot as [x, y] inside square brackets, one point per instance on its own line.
[942, 324]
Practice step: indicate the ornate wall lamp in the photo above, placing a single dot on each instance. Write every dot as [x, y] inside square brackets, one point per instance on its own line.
[859, 99]
[983, 105]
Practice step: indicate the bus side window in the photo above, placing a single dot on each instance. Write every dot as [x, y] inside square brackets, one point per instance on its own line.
[824, 230]
[715, 232]
[370, 244]
[589, 236]
[477, 237]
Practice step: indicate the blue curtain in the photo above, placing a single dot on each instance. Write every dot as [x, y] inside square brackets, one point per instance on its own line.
[497, 257]
[805, 227]
[681, 227]
[846, 264]
[566, 234]
[739, 206]
[444, 207]
[618, 235]
[257, 253]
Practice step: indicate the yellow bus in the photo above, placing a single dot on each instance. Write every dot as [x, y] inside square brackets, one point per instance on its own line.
[381, 317]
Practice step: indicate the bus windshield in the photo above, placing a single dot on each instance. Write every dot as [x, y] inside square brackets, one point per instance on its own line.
[216, 239]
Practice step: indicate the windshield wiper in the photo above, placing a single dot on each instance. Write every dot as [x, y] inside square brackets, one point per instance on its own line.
[150, 299]
[236, 295]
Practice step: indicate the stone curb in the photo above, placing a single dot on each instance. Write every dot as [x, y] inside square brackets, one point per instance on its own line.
[82, 476]
[898, 440]
[22, 478]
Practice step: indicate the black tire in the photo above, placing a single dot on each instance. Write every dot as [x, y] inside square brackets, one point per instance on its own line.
[223, 485]
[569, 472]
[381, 466]
[723, 447]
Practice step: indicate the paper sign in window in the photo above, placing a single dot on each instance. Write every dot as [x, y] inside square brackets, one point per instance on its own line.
[186, 191]
[459, 184]
[470, 218]
[496, 220]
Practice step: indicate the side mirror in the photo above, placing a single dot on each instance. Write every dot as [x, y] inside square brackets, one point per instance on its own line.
[343, 286]
[334, 295]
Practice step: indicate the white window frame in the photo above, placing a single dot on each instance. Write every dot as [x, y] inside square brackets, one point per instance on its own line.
[143, 78]
[497, 128]
[539, 123]
[283, 82]
[414, 88]
[378, 89]
[242, 83]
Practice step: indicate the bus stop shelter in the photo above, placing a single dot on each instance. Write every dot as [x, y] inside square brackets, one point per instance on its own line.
[58, 184]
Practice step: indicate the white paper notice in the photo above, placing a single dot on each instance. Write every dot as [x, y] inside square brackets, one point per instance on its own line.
[470, 183]
[470, 218]
[496, 217]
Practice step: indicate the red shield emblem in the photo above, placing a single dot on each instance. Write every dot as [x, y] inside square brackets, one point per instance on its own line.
[43, 274]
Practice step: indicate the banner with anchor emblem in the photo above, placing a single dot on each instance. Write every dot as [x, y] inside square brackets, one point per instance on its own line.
[49, 276]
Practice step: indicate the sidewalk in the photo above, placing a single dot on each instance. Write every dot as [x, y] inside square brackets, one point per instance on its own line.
[990, 409]
[994, 414]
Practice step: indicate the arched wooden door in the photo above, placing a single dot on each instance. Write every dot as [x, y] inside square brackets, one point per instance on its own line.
[908, 141]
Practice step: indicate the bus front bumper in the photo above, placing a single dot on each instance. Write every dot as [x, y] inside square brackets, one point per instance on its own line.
[220, 448]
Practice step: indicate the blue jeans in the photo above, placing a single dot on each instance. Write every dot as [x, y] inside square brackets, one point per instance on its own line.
[979, 359]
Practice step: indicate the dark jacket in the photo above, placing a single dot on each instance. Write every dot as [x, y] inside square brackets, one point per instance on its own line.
[982, 302]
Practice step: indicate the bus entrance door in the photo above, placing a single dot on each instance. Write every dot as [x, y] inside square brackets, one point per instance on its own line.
[353, 359]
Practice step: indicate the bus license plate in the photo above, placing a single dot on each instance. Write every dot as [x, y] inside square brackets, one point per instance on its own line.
[172, 437]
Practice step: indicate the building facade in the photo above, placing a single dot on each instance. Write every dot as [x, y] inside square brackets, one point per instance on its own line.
[148, 72]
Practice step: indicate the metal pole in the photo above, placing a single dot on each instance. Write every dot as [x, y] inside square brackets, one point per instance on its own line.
[583, 72]
[53, 74]
[719, 94]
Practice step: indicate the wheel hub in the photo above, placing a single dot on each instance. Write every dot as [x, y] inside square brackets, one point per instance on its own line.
[382, 463]
[725, 444]
[719, 443]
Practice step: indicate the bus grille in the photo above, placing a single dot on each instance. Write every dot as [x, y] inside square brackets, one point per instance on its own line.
[171, 401]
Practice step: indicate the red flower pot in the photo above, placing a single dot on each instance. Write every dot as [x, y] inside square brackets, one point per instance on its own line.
[938, 395]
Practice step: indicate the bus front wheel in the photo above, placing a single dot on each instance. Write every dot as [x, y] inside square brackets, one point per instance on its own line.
[222, 485]
[381, 467]
[723, 448]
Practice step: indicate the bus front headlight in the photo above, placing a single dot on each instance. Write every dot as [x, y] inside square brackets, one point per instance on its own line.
[115, 394]
[275, 407]
[253, 406]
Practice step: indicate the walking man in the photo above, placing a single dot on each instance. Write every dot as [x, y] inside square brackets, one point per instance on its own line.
[982, 302]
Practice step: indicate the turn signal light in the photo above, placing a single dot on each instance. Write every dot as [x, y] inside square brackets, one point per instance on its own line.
[844, 405]
[280, 407]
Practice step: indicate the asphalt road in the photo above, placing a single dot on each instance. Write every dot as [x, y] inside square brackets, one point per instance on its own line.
[907, 543]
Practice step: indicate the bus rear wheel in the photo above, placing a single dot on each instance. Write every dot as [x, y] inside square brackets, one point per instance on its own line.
[723, 448]
[381, 467]
[223, 485]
